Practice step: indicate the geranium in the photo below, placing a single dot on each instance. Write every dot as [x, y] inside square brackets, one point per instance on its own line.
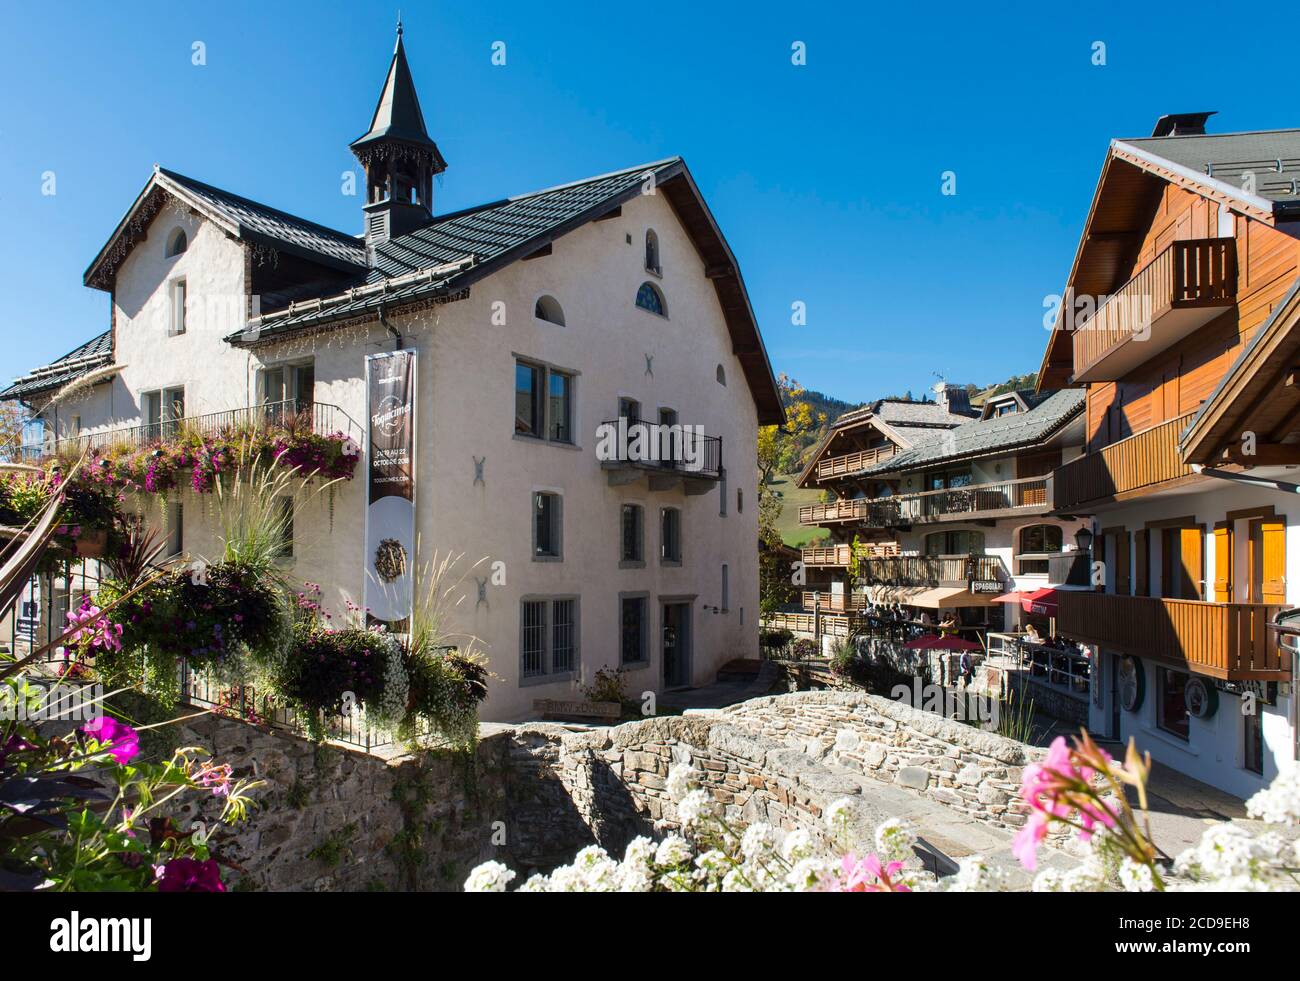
[190, 875]
[866, 875]
[122, 742]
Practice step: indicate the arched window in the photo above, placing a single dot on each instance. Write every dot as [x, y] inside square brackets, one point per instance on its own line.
[649, 298]
[722, 375]
[177, 243]
[652, 252]
[548, 308]
[1040, 538]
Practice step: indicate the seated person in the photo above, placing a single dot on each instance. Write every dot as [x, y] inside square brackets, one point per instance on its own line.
[1033, 636]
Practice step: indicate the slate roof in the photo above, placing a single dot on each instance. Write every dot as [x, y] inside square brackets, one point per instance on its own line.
[94, 354]
[397, 114]
[1273, 156]
[981, 437]
[903, 413]
[277, 226]
[461, 247]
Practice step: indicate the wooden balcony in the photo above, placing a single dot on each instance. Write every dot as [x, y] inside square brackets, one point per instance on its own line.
[828, 555]
[931, 570]
[834, 602]
[1001, 499]
[831, 624]
[1223, 640]
[1184, 287]
[1134, 466]
[840, 466]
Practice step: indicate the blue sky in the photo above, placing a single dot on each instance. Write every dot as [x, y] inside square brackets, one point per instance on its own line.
[825, 178]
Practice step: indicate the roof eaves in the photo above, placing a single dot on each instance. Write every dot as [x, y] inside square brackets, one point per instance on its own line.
[1266, 205]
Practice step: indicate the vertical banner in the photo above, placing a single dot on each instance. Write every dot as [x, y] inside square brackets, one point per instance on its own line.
[390, 487]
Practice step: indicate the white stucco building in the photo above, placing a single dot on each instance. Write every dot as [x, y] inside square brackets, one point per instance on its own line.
[535, 319]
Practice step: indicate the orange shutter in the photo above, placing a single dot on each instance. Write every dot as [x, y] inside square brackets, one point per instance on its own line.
[1193, 563]
[1121, 563]
[1223, 563]
[1141, 563]
[1273, 570]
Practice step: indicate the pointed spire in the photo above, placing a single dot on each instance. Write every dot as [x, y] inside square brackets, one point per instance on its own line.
[398, 115]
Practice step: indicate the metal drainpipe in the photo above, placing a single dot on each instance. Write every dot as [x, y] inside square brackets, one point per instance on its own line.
[390, 328]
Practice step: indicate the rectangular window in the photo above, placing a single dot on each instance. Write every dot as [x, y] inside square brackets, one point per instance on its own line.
[175, 529]
[548, 640]
[634, 630]
[532, 648]
[1252, 727]
[173, 409]
[546, 525]
[564, 635]
[285, 505]
[671, 534]
[726, 588]
[633, 537]
[288, 390]
[560, 408]
[178, 308]
[629, 409]
[1171, 705]
[528, 399]
[152, 412]
[670, 449]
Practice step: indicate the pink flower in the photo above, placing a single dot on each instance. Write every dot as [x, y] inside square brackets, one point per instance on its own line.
[1028, 838]
[122, 740]
[867, 875]
[190, 875]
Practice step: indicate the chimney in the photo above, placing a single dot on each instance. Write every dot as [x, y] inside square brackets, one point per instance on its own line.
[954, 398]
[1182, 124]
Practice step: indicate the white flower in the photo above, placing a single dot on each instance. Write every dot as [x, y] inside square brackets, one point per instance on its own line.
[1228, 851]
[596, 870]
[681, 777]
[840, 814]
[758, 842]
[694, 808]
[1048, 880]
[535, 883]
[1088, 877]
[797, 846]
[673, 850]
[807, 874]
[894, 840]
[1280, 802]
[489, 877]
[1136, 877]
[974, 874]
[734, 881]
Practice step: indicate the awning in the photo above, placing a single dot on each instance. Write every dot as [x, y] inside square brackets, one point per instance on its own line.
[948, 598]
[1039, 602]
[895, 594]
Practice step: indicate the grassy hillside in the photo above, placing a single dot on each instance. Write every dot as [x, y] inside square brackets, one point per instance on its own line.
[792, 533]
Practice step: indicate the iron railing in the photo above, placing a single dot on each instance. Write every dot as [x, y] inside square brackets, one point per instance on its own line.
[319, 417]
[676, 447]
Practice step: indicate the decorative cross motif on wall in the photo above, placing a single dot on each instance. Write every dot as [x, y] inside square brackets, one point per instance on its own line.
[482, 591]
[650, 365]
[478, 470]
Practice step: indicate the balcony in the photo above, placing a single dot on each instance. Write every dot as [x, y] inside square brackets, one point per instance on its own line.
[931, 570]
[319, 417]
[828, 555]
[834, 602]
[1183, 288]
[841, 466]
[1000, 499]
[1140, 464]
[1230, 641]
[668, 455]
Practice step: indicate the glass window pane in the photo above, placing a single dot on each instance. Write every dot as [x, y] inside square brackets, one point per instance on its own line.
[533, 640]
[564, 636]
[527, 400]
[560, 409]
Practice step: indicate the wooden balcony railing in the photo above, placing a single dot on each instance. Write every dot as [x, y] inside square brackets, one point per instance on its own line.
[997, 499]
[931, 570]
[1141, 462]
[1182, 288]
[834, 602]
[839, 466]
[833, 555]
[832, 624]
[1224, 640]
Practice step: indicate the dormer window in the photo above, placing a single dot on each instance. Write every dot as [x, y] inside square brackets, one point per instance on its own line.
[177, 243]
[652, 252]
[548, 308]
[649, 298]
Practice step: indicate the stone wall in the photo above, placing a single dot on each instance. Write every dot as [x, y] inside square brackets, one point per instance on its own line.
[532, 795]
[975, 772]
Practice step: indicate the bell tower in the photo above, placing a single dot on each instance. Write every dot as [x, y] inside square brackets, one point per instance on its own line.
[399, 158]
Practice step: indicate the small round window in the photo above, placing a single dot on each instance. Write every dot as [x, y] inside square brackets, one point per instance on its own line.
[548, 308]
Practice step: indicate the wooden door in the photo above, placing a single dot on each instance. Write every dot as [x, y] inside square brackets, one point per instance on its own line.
[1192, 563]
[1268, 560]
[1223, 563]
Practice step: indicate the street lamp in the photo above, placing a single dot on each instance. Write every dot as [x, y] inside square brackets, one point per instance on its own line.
[1083, 538]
